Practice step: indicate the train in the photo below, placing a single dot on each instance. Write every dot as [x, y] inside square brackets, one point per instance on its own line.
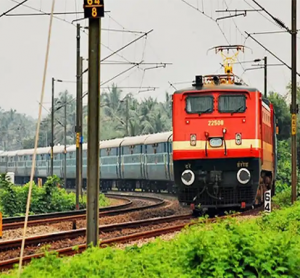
[142, 162]
[224, 142]
[221, 152]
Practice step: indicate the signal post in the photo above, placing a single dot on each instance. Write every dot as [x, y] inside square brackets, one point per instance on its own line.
[1, 225]
[93, 10]
[294, 106]
[78, 128]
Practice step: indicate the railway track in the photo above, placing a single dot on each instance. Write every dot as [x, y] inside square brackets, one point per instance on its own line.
[35, 240]
[5, 246]
[17, 219]
[105, 229]
[34, 220]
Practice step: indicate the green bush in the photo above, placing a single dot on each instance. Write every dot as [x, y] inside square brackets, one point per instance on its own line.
[282, 220]
[265, 247]
[282, 199]
[49, 198]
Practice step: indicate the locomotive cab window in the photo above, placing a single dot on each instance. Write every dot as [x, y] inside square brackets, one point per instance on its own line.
[199, 104]
[232, 104]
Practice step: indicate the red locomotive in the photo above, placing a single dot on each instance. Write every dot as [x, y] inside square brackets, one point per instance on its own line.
[224, 143]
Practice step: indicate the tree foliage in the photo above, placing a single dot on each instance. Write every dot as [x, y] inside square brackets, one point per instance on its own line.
[45, 199]
[127, 116]
[15, 129]
[284, 171]
[283, 115]
[282, 112]
[120, 116]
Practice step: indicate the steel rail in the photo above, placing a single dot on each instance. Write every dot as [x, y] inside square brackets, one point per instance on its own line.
[69, 251]
[67, 213]
[159, 202]
[71, 234]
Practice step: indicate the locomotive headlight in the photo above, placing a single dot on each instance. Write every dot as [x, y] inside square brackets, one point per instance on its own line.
[243, 176]
[238, 138]
[193, 140]
[188, 177]
[216, 142]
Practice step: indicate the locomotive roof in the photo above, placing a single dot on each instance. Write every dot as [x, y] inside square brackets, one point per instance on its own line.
[218, 87]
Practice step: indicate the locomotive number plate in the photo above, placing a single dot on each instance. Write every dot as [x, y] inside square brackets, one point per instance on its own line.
[215, 122]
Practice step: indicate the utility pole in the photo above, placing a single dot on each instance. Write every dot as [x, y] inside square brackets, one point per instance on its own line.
[94, 11]
[294, 106]
[81, 136]
[127, 116]
[265, 76]
[78, 115]
[52, 126]
[46, 145]
[52, 123]
[65, 142]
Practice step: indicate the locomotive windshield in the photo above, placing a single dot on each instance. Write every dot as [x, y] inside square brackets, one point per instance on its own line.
[199, 104]
[232, 104]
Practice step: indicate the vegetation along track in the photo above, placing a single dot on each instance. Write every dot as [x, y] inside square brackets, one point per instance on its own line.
[133, 231]
[128, 206]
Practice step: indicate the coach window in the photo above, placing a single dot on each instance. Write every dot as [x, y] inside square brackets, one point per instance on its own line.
[232, 104]
[131, 149]
[155, 148]
[199, 104]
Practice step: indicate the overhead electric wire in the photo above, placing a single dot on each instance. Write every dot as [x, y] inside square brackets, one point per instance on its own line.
[39, 14]
[49, 111]
[119, 74]
[237, 28]
[120, 49]
[107, 47]
[64, 13]
[278, 21]
[270, 52]
[121, 87]
[268, 32]
[105, 82]
[81, 29]
[123, 31]
[114, 52]
[272, 32]
[132, 63]
[75, 3]
[117, 22]
[126, 45]
[211, 18]
[144, 71]
[261, 13]
[197, 9]
[34, 9]
[11, 9]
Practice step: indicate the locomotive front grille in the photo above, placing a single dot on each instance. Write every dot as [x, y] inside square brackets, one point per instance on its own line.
[225, 195]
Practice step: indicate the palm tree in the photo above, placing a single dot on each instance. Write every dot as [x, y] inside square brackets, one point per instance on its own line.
[111, 101]
[148, 116]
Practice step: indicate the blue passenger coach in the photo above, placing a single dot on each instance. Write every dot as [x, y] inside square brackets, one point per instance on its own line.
[144, 162]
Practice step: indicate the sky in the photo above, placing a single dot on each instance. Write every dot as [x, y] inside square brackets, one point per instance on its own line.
[183, 31]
